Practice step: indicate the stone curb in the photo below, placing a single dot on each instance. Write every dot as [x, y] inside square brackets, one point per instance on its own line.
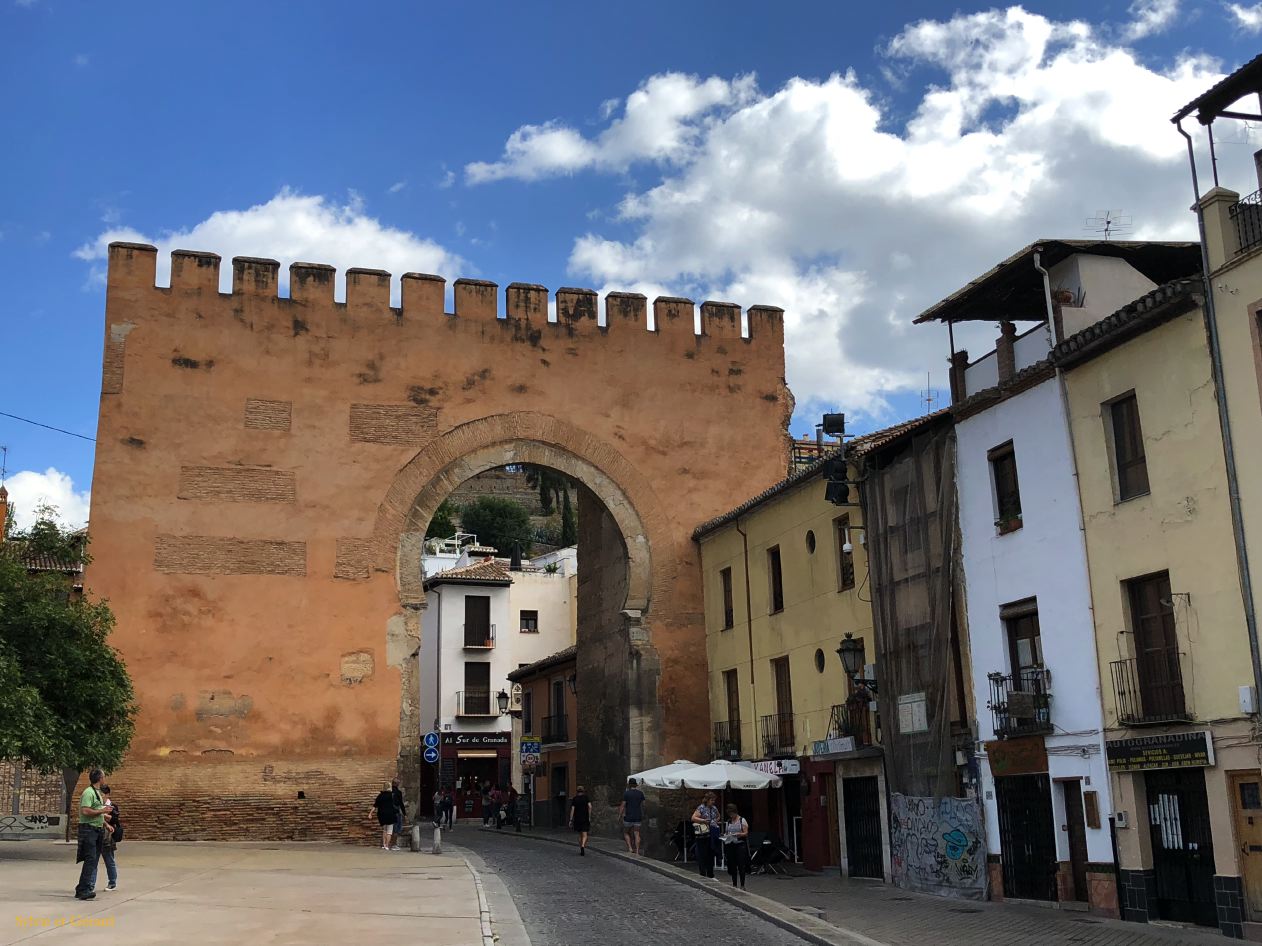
[812, 929]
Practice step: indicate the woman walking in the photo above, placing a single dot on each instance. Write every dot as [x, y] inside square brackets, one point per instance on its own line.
[384, 806]
[581, 818]
[113, 837]
[706, 826]
[736, 845]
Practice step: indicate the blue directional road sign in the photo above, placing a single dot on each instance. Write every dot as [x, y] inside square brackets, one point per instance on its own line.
[431, 755]
[431, 740]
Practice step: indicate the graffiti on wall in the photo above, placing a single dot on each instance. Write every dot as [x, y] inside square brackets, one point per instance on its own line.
[31, 825]
[938, 845]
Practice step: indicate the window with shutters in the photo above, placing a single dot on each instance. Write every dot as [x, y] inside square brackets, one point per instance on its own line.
[1130, 464]
[776, 579]
[845, 560]
[1003, 476]
[725, 582]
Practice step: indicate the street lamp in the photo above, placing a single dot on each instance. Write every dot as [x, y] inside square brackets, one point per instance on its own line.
[502, 699]
[851, 654]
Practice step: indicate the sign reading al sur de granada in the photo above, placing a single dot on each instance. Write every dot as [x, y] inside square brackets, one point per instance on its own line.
[476, 739]
[1167, 751]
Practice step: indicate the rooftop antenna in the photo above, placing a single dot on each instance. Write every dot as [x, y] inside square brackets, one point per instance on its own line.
[1108, 223]
[929, 395]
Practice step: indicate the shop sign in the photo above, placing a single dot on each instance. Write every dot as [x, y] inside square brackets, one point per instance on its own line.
[1024, 756]
[1167, 751]
[473, 740]
[833, 746]
[778, 766]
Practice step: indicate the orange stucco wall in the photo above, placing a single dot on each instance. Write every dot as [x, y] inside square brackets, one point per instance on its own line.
[246, 448]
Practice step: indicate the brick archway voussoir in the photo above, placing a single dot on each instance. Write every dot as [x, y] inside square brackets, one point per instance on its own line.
[520, 437]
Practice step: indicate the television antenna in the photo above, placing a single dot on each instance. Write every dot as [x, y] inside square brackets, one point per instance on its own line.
[929, 396]
[1108, 223]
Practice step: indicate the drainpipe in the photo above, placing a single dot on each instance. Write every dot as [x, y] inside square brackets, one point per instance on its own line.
[749, 622]
[438, 664]
[1063, 391]
[1224, 422]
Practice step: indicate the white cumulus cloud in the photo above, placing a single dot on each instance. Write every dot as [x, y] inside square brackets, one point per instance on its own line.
[1247, 16]
[1150, 17]
[662, 120]
[292, 227]
[855, 209]
[29, 489]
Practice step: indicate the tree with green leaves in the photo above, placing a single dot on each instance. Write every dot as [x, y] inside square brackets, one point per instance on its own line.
[552, 485]
[443, 525]
[498, 522]
[569, 525]
[66, 700]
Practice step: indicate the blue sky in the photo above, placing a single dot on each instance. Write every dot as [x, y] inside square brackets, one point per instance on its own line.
[850, 162]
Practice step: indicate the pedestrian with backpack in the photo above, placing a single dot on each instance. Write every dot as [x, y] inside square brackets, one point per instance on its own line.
[113, 838]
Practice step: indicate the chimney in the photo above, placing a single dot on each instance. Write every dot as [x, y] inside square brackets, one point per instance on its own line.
[959, 363]
[1005, 354]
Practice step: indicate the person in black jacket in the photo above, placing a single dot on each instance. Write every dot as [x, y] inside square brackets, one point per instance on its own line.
[113, 837]
[400, 811]
[383, 804]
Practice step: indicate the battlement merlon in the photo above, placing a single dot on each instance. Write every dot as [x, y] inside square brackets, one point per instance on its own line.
[133, 266]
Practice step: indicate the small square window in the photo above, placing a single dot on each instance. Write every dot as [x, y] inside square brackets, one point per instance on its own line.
[530, 622]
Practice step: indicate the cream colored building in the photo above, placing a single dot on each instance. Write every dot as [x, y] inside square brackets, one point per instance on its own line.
[796, 563]
[1170, 631]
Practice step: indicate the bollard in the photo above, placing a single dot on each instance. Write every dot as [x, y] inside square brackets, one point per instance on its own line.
[416, 838]
[438, 841]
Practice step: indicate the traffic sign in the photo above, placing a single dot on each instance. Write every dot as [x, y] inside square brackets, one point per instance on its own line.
[530, 752]
[431, 740]
[431, 755]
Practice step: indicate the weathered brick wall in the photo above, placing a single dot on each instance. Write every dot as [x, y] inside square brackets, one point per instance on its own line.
[217, 555]
[260, 467]
[230, 800]
[236, 484]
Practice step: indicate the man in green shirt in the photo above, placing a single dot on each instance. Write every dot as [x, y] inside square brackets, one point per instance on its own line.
[92, 809]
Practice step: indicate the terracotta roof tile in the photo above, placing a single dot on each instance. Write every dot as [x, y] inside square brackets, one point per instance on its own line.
[487, 570]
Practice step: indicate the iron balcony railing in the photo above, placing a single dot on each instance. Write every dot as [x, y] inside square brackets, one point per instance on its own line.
[1246, 214]
[1149, 688]
[474, 703]
[777, 735]
[1021, 702]
[727, 740]
[479, 636]
[555, 728]
[853, 719]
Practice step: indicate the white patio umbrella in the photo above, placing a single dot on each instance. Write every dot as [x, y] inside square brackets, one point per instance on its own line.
[664, 776]
[721, 774]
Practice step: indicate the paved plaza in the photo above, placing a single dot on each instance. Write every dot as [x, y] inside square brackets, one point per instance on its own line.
[273, 893]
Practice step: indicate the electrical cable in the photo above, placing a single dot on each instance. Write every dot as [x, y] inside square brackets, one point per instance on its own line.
[27, 420]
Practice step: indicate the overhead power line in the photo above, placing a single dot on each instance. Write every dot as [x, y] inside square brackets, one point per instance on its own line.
[35, 423]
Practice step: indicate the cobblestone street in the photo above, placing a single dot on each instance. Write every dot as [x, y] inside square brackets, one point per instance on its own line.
[564, 899]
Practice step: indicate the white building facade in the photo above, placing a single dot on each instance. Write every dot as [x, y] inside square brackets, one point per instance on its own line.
[483, 620]
[1042, 769]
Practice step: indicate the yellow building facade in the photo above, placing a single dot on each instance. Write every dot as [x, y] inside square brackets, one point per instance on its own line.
[785, 580]
[1171, 642]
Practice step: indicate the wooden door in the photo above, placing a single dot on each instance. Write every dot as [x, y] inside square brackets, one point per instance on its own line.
[828, 788]
[1075, 821]
[1245, 789]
